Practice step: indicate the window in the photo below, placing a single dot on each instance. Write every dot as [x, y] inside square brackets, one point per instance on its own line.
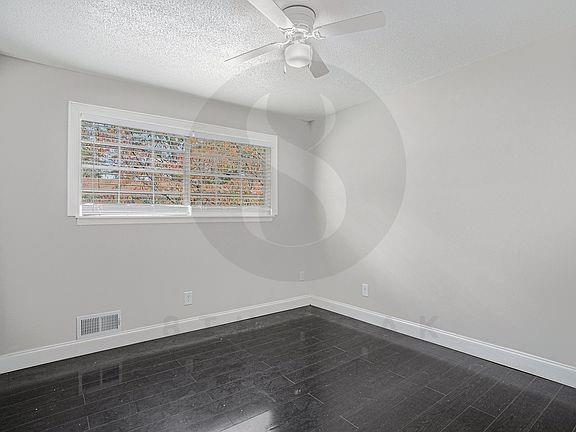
[132, 167]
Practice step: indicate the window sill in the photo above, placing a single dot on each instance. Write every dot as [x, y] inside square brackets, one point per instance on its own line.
[136, 220]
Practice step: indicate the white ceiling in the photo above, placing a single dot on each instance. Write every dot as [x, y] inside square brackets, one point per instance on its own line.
[181, 44]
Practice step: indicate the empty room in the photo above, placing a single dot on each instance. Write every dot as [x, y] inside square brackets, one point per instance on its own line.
[287, 216]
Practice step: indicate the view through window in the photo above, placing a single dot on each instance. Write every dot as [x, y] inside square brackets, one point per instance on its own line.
[133, 171]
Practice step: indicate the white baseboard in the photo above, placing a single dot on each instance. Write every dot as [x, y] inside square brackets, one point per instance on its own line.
[33, 357]
[532, 364]
[522, 361]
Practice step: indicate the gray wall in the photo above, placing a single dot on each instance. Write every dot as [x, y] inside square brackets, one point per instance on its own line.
[52, 270]
[484, 242]
[457, 206]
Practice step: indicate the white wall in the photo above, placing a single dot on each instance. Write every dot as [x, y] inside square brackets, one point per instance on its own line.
[485, 240]
[52, 270]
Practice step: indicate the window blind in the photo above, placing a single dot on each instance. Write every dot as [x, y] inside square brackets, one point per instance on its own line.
[131, 171]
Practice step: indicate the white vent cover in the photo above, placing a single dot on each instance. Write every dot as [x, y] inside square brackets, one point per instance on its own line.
[97, 324]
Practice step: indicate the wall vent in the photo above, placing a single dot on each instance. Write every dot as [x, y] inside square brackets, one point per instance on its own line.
[97, 324]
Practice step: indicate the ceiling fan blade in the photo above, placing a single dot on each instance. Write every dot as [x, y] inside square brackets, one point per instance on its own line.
[254, 53]
[364, 22]
[271, 11]
[317, 65]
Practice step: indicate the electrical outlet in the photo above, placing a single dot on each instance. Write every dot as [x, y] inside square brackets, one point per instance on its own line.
[302, 275]
[365, 289]
[187, 298]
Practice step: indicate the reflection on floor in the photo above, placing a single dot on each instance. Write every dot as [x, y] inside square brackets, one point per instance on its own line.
[302, 370]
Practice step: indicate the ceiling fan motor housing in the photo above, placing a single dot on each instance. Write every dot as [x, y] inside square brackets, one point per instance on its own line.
[302, 16]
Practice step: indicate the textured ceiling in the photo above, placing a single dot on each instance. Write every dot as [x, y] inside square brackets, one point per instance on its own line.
[181, 44]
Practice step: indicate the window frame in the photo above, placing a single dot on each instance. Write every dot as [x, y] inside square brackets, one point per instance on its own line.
[80, 111]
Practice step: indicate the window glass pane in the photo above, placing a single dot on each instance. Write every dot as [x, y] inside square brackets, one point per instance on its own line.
[252, 168]
[165, 160]
[210, 185]
[230, 201]
[221, 185]
[230, 186]
[221, 165]
[136, 198]
[152, 139]
[99, 180]
[135, 158]
[135, 181]
[173, 183]
[252, 187]
[168, 199]
[210, 201]
[99, 198]
[196, 200]
[94, 154]
[87, 154]
[99, 133]
[253, 152]
[195, 184]
[253, 202]
[142, 169]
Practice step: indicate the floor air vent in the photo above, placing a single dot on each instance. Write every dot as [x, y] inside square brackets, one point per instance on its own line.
[97, 324]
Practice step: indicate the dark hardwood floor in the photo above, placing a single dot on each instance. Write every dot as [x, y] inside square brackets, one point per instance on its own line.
[302, 370]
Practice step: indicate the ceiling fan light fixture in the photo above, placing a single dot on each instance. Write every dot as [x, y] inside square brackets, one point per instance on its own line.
[298, 54]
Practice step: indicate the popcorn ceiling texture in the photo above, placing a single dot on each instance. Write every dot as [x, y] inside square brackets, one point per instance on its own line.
[181, 44]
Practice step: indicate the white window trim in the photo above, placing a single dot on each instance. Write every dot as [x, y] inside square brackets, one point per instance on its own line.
[80, 111]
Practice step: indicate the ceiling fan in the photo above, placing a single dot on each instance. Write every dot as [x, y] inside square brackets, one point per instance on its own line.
[297, 24]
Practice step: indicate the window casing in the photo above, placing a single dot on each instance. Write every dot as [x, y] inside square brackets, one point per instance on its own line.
[130, 167]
